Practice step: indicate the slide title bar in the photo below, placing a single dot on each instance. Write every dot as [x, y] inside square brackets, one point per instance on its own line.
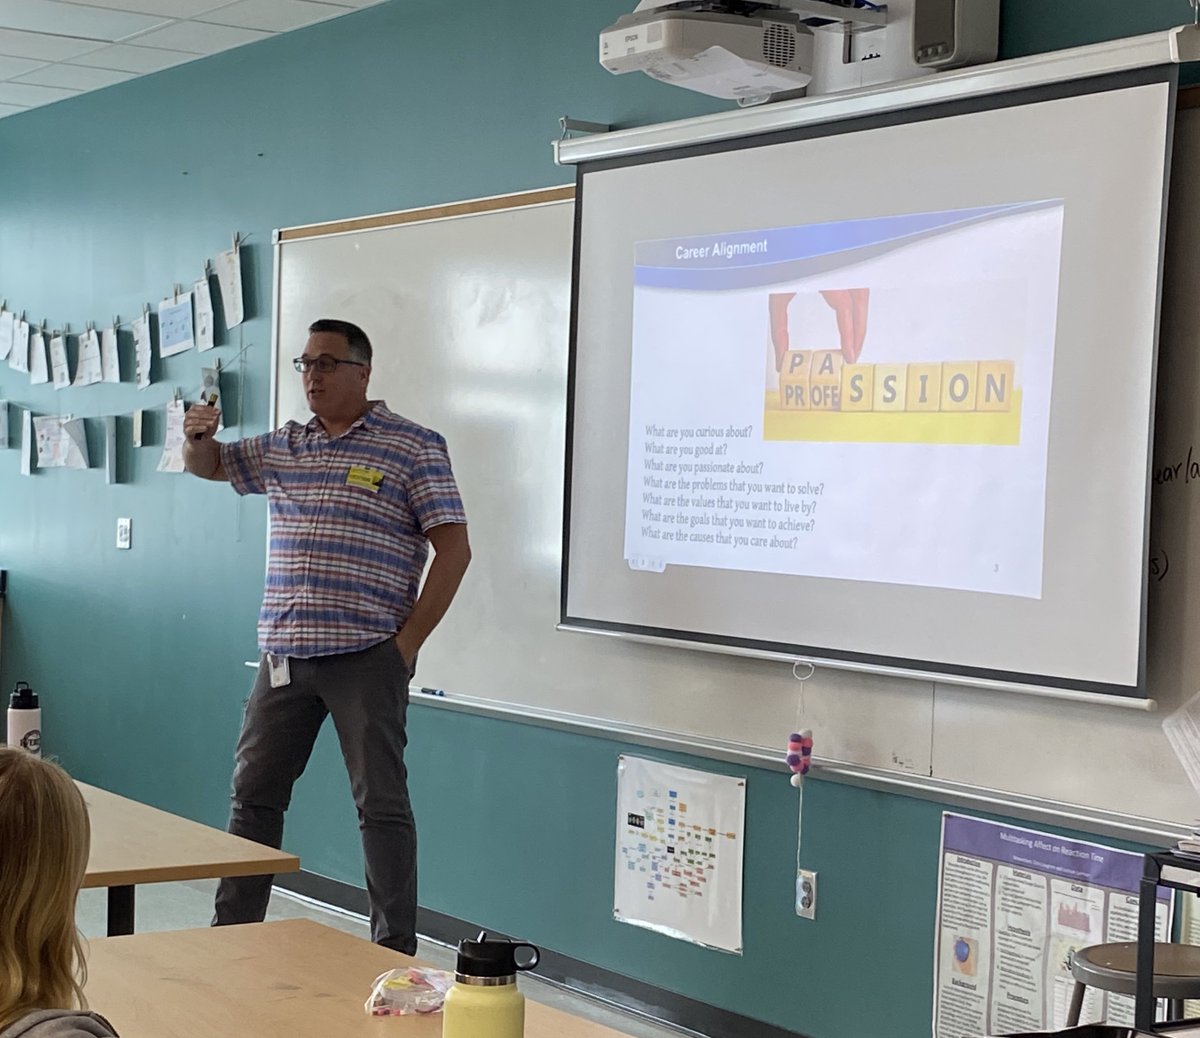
[1172, 47]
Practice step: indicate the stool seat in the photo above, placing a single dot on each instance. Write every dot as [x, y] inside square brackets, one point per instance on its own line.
[1113, 967]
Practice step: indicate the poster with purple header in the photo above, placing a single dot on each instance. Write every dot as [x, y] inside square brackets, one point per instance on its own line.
[1013, 904]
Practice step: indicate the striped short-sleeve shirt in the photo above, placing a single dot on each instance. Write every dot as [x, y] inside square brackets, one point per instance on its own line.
[348, 523]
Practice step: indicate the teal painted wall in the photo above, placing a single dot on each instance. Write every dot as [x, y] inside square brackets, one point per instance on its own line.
[105, 202]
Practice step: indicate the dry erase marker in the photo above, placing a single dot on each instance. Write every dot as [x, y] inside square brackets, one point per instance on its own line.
[432, 692]
[204, 399]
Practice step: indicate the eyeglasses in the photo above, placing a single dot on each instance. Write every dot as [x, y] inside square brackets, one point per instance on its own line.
[324, 363]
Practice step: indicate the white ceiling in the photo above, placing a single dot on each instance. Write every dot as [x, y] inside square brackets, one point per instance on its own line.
[53, 49]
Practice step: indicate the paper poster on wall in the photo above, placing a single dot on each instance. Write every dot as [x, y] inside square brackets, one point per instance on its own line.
[229, 277]
[142, 349]
[204, 315]
[175, 325]
[172, 455]
[21, 358]
[88, 368]
[61, 442]
[39, 365]
[1013, 904]
[679, 852]
[8, 329]
[110, 358]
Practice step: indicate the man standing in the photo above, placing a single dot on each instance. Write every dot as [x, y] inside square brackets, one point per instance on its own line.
[356, 498]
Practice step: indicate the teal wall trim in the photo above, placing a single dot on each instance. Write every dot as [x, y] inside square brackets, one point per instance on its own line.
[107, 200]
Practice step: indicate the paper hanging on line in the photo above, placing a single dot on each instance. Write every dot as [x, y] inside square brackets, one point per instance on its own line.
[8, 329]
[204, 315]
[88, 368]
[19, 359]
[172, 455]
[110, 448]
[39, 367]
[142, 349]
[60, 367]
[175, 325]
[110, 358]
[26, 443]
[61, 442]
[229, 277]
[3, 425]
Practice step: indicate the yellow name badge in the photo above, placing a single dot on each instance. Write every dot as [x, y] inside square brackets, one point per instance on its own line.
[368, 479]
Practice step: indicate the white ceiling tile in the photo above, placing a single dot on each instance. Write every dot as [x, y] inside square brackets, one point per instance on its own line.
[167, 8]
[74, 77]
[43, 46]
[125, 57]
[273, 15]
[26, 94]
[51, 16]
[11, 110]
[198, 37]
[10, 68]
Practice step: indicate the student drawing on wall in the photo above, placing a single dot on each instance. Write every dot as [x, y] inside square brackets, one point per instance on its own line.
[850, 306]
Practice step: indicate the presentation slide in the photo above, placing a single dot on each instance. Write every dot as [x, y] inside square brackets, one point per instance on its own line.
[800, 393]
[878, 393]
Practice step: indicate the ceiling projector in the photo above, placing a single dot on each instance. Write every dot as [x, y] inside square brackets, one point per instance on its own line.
[744, 52]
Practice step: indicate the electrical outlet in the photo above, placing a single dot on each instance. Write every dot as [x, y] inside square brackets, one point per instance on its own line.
[806, 894]
[124, 533]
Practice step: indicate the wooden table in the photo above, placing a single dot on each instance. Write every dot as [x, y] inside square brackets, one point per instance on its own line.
[293, 978]
[135, 843]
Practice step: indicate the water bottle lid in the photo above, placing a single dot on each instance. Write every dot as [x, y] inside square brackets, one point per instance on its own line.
[23, 698]
[493, 958]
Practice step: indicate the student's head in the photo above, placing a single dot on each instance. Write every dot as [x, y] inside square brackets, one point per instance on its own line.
[44, 838]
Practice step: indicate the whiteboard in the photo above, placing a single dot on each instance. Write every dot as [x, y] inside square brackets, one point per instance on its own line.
[467, 306]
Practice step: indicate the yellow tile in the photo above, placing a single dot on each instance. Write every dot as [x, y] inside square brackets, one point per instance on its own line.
[794, 379]
[996, 385]
[891, 387]
[924, 387]
[858, 387]
[825, 387]
[959, 383]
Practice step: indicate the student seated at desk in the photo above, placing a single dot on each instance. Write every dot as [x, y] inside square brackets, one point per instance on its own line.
[44, 837]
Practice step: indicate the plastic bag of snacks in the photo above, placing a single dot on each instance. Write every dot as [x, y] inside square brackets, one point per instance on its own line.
[409, 990]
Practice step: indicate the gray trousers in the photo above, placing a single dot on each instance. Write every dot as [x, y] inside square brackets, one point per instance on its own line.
[367, 694]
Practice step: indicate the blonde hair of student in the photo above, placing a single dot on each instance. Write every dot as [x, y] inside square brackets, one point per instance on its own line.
[44, 838]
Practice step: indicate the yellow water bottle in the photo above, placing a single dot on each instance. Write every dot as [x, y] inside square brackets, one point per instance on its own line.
[484, 1001]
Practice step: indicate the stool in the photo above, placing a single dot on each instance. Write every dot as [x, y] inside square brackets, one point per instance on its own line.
[1113, 967]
